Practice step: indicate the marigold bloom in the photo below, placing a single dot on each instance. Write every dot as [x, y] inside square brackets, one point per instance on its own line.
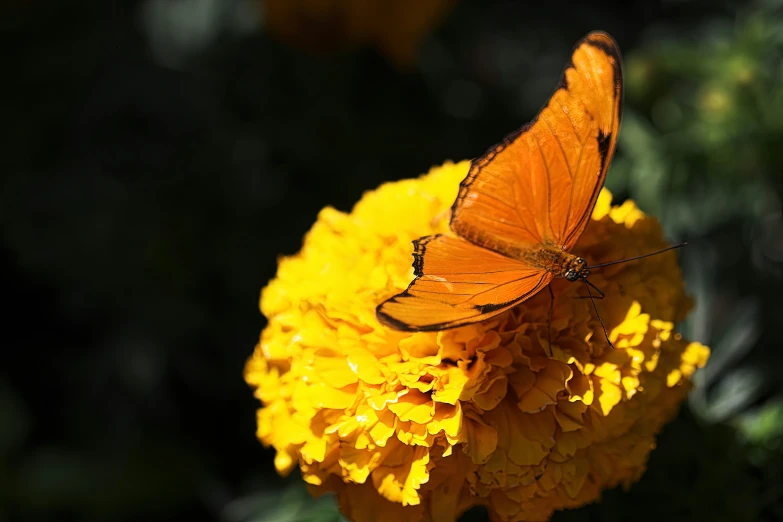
[423, 426]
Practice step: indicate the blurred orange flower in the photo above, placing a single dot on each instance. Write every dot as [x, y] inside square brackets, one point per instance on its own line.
[423, 426]
[393, 28]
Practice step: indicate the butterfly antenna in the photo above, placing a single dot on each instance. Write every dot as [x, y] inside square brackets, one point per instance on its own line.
[638, 257]
[587, 286]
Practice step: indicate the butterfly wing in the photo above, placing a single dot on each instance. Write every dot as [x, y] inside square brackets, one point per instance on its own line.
[540, 184]
[458, 283]
[537, 186]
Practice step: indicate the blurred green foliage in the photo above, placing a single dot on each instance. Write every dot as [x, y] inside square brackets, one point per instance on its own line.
[160, 154]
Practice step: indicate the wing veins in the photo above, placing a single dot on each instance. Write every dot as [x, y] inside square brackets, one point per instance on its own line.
[599, 86]
[532, 290]
[565, 111]
[568, 168]
[521, 267]
[506, 284]
[472, 295]
[512, 225]
[506, 203]
[490, 175]
[571, 195]
[548, 180]
[562, 149]
[441, 293]
[521, 219]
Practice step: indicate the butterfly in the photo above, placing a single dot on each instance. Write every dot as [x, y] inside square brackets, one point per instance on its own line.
[523, 205]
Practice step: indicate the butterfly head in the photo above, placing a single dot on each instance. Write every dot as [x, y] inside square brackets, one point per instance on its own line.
[576, 270]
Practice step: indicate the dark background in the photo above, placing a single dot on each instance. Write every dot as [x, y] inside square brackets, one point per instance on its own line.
[159, 155]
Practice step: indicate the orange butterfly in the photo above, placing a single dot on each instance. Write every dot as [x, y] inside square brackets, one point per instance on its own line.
[523, 205]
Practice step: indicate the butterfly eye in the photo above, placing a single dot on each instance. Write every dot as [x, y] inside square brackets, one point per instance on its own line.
[571, 275]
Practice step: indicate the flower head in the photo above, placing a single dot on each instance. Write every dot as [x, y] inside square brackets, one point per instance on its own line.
[423, 426]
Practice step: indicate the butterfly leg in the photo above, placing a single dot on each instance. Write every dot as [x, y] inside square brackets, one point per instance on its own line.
[588, 284]
[549, 319]
[599, 296]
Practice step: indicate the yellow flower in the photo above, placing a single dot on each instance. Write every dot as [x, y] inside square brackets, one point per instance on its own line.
[394, 28]
[423, 426]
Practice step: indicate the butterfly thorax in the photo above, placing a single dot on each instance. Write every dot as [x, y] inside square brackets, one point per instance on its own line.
[546, 256]
[557, 261]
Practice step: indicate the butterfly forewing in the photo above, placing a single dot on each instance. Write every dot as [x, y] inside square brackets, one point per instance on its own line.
[540, 184]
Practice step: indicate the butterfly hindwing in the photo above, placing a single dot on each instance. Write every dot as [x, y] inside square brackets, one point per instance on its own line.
[458, 283]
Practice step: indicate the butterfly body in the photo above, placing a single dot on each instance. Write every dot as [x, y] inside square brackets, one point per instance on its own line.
[547, 255]
[556, 261]
[522, 206]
